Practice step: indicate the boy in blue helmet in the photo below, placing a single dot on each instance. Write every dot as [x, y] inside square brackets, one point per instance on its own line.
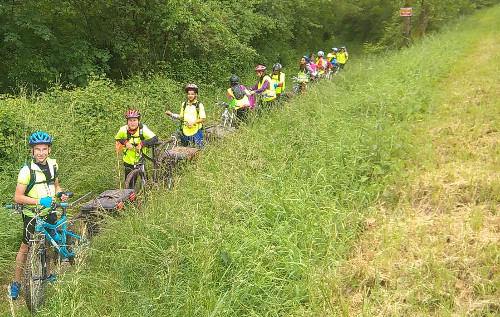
[39, 192]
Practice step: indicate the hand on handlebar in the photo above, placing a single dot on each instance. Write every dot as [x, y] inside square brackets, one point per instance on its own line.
[64, 196]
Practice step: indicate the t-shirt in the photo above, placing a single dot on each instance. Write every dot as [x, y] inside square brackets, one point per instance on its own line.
[191, 114]
[43, 172]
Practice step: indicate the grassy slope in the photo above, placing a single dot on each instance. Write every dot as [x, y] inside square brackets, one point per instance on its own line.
[255, 227]
[435, 252]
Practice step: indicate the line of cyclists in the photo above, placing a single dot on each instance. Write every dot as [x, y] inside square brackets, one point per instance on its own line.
[38, 184]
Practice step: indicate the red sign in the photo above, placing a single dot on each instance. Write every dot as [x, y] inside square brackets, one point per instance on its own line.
[405, 12]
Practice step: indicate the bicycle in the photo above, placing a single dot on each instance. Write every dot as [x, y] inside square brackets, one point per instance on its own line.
[139, 178]
[226, 124]
[66, 242]
[299, 84]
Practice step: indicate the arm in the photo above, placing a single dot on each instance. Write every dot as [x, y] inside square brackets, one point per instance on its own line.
[121, 136]
[21, 198]
[64, 198]
[264, 87]
[150, 141]
[174, 115]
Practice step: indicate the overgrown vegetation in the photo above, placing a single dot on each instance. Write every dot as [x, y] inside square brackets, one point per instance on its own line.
[255, 226]
[257, 223]
[59, 41]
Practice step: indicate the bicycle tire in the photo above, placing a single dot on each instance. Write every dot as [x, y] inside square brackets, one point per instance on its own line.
[166, 171]
[140, 181]
[35, 273]
[80, 226]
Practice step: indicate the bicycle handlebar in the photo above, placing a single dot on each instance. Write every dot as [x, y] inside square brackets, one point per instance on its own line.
[69, 194]
[19, 207]
[222, 103]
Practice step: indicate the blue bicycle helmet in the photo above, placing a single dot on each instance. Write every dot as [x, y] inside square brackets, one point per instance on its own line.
[40, 137]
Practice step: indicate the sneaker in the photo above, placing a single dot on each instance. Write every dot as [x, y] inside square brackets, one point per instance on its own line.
[15, 287]
[52, 278]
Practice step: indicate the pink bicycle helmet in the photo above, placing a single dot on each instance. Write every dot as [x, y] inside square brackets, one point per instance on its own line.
[260, 67]
[132, 113]
[191, 87]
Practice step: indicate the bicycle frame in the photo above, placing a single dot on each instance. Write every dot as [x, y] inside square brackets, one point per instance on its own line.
[140, 164]
[44, 227]
[227, 115]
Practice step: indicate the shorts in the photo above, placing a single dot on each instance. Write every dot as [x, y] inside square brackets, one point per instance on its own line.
[29, 225]
[196, 138]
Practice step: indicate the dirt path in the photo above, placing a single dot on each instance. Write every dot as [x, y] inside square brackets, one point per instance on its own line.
[437, 251]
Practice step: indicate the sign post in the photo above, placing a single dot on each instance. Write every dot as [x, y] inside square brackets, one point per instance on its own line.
[406, 14]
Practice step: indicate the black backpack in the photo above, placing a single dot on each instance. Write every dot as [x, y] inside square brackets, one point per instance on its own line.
[32, 182]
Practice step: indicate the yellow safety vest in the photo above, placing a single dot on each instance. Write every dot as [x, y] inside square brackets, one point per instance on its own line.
[302, 77]
[243, 102]
[280, 78]
[341, 58]
[269, 94]
[43, 187]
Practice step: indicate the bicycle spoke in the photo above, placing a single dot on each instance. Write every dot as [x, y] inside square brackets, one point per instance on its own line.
[77, 237]
[35, 273]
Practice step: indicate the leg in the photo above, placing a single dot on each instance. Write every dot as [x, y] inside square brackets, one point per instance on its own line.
[129, 168]
[28, 229]
[198, 138]
[20, 261]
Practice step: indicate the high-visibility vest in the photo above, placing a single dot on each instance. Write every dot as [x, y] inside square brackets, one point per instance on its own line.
[302, 77]
[280, 78]
[241, 103]
[341, 58]
[269, 94]
[42, 186]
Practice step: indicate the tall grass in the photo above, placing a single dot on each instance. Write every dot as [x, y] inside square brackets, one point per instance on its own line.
[253, 226]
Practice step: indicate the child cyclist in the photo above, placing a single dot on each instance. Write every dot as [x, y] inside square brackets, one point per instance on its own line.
[279, 80]
[342, 57]
[37, 187]
[264, 86]
[192, 115]
[240, 98]
[132, 138]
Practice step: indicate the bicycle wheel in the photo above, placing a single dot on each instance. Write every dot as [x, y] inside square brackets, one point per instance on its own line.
[78, 225]
[166, 145]
[35, 273]
[166, 171]
[136, 180]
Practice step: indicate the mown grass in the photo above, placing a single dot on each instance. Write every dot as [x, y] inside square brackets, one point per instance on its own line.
[257, 224]
[434, 250]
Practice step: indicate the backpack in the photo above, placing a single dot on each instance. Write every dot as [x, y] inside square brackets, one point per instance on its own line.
[32, 182]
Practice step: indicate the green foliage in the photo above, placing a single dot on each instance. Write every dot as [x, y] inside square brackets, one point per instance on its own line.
[69, 42]
[257, 236]
[428, 16]
[11, 136]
